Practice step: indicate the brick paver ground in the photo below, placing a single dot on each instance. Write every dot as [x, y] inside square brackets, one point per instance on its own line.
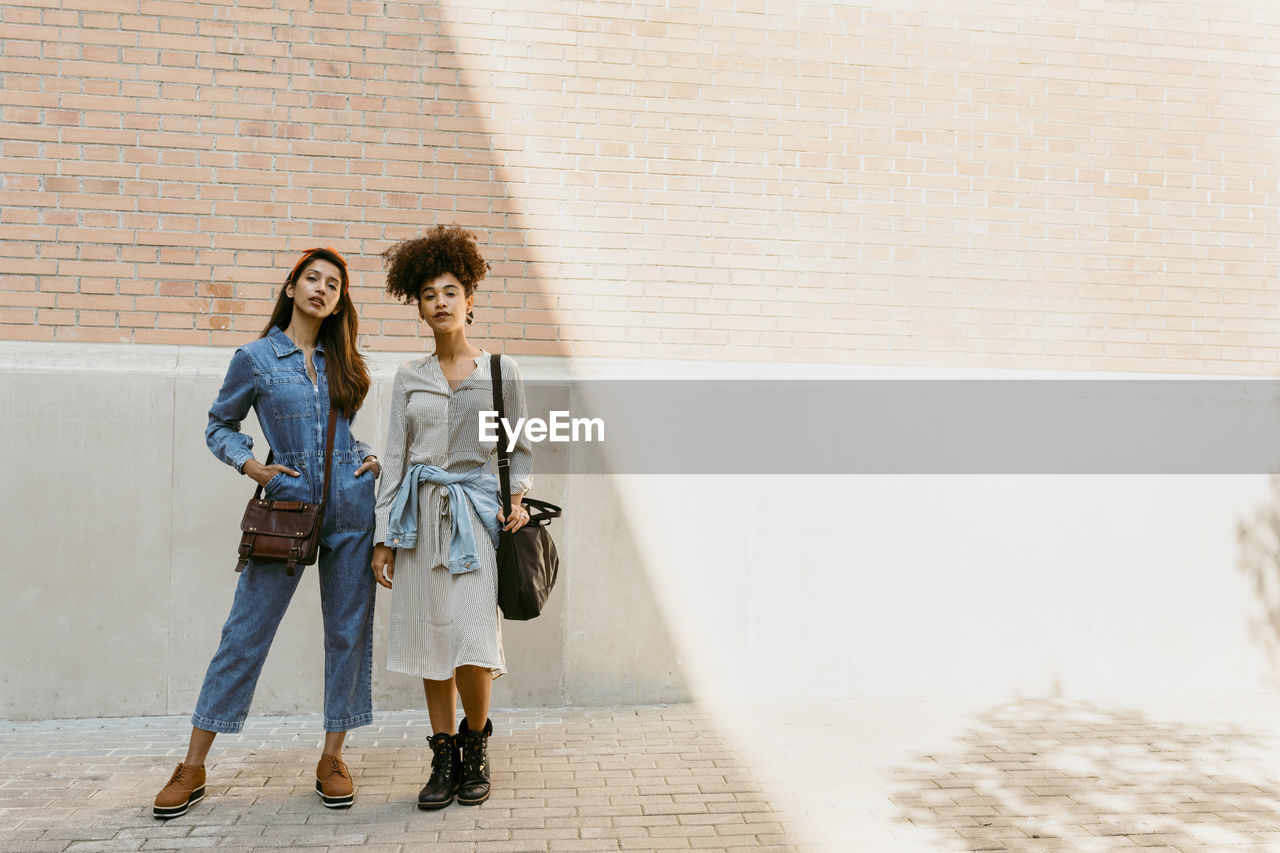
[874, 776]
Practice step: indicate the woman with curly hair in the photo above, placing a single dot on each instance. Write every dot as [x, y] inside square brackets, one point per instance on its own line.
[438, 512]
[304, 364]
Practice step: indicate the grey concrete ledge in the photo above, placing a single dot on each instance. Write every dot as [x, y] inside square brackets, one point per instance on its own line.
[135, 359]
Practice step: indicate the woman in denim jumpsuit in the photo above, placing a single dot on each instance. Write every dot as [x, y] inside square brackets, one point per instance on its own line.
[304, 362]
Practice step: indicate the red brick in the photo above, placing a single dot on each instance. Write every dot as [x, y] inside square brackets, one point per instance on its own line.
[740, 152]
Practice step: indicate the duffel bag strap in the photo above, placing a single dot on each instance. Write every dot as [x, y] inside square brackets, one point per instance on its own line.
[504, 463]
[540, 511]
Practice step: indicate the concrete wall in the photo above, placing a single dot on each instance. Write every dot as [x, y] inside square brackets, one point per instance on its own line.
[120, 530]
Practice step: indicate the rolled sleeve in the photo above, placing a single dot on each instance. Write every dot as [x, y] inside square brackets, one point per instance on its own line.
[393, 462]
[239, 460]
[514, 402]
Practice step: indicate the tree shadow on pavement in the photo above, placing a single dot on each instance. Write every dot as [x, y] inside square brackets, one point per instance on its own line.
[1063, 775]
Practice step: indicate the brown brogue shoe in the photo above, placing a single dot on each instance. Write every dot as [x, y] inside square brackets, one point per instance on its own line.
[333, 782]
[184, 789]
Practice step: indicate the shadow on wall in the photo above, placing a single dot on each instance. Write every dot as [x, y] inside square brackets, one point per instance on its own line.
[605, 638]
[1078, 776]
[1259, 545]
[442, 168]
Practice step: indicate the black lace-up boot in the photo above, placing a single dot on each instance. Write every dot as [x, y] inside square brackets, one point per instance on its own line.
[446, 772]
[474, 789]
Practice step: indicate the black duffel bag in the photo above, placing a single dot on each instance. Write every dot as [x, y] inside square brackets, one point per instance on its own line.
[527, 559]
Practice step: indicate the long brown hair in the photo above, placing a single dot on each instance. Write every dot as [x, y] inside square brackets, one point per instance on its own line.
[348, 373]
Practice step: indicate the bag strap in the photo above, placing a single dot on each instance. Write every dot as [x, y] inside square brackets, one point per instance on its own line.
[540, 511]
[504, 463]
[328, 457]
[257, 493]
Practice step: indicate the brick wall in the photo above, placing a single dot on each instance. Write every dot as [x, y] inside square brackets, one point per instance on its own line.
[1081, 184]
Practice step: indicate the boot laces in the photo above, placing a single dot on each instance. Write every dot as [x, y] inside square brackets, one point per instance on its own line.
[473, 753]
[177, 774]
[442, 758]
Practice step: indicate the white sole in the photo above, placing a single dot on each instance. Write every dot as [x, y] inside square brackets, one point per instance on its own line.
[334, 802]
[178, 811]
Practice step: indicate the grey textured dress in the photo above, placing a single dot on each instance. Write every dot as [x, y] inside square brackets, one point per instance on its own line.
[440, 621]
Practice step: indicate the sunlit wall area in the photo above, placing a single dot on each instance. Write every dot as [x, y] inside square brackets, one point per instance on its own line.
[962, 587]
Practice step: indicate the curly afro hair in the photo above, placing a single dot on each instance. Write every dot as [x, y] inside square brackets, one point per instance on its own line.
[444, 249]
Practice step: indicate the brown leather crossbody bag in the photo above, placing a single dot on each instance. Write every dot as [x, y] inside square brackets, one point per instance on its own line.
[285, 531]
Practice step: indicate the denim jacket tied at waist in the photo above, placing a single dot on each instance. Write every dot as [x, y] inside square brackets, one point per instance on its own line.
[478, 485]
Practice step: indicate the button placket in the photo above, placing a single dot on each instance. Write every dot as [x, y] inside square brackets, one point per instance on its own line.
[319, 431]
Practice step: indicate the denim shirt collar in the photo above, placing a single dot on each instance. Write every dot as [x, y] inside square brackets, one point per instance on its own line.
[284, 345]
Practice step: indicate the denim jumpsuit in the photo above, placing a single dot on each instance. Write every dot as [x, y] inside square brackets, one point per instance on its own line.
[270, 375]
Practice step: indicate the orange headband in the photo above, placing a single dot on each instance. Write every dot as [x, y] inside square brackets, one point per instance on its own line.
[307, 255]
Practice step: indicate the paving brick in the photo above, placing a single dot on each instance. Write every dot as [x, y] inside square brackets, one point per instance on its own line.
[1142, 786]
[511, 847]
